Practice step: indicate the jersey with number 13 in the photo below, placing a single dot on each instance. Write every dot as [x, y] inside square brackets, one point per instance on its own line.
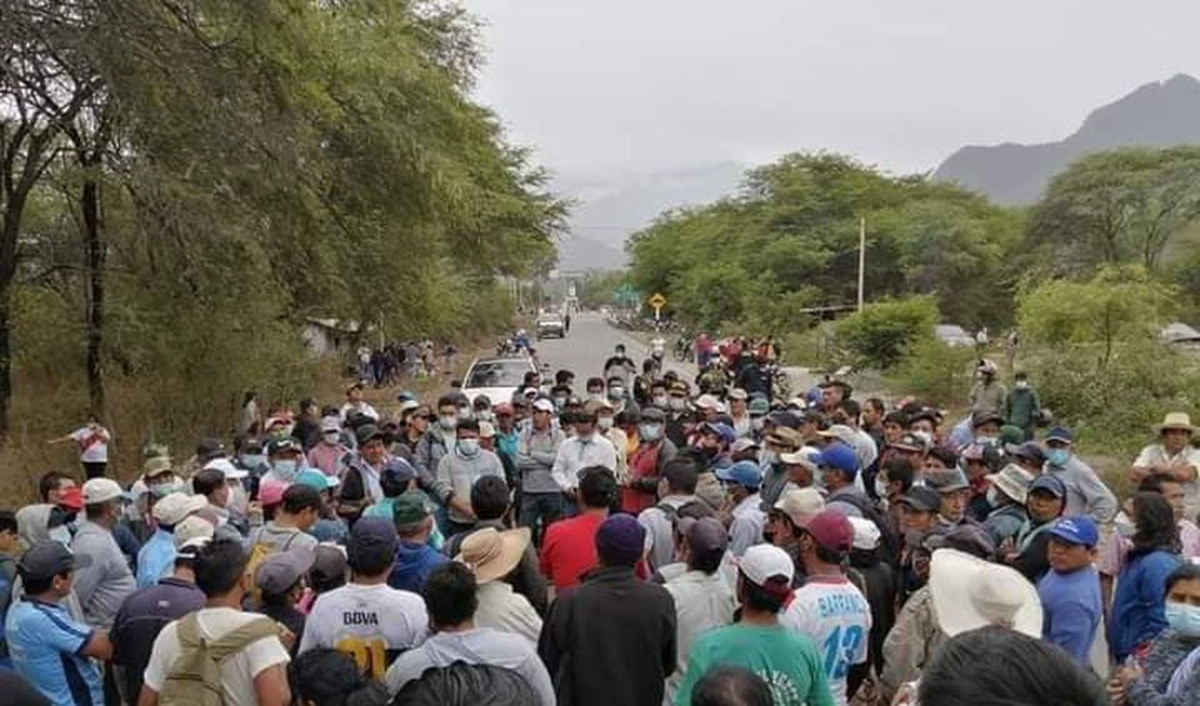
[834, 613]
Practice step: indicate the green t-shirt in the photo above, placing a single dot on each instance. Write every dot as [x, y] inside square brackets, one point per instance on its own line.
[786, 660]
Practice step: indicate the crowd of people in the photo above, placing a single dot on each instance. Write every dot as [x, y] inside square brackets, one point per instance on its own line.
[601, 544]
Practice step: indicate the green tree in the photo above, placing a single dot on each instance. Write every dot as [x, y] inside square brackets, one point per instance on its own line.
[884, 332]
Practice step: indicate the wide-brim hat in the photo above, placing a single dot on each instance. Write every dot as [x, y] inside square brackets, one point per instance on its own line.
[969, 593]
[492, 554]
[1013, 481]
[1176, 420]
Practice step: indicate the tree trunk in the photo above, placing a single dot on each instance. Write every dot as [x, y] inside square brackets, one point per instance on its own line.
[13, 210]
[95, 249]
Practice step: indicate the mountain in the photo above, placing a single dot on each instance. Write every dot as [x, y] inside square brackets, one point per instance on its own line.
[1161, 114]
[611, 206]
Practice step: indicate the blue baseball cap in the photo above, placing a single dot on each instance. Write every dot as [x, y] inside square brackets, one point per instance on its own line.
[840, 458]
[1049, 483]
[745, 473]
[1079, 530]
[726, 432]
[1062, 434]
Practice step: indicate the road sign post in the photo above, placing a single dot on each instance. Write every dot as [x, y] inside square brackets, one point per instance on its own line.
[657, 301]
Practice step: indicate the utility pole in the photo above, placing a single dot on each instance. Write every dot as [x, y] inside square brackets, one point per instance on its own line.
[862, 259]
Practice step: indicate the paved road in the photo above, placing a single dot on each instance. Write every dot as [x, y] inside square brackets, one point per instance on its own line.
[591, 342]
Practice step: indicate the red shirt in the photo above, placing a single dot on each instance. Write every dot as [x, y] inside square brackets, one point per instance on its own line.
[569, 549]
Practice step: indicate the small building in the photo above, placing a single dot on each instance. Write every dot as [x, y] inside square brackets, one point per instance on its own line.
[330, 337]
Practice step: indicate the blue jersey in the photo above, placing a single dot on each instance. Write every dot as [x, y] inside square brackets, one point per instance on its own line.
[45, 643]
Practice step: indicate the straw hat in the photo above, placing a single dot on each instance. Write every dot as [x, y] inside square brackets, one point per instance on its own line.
[492, 554]
[969, 592]
[1176, 420]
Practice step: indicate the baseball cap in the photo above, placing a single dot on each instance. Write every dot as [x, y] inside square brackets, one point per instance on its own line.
[970, 539]
[270, 492]
[543, 405]
[745, 473]
[409, 509]
[486, 430]
[1049, 483]
[101, 490]
[742, 445]
[980, 418]
[316, 479]
[785, 419]
[765, 563]
[726, 432]
[758, 406]
[49, 558]
[331, 423]
[801, 505]
[210, 448]
[705, 535]
[1080, 530]
[279, 572]
[366, 433]
[329, 562]
[397, 471]
[172, 509]
[840, 458]
[866, 533]
[707, 401]
[908, 442]
[156, 466]
[283, 445]
[408, 406]
[1062, 434]
[738, 393]
[1030, 450]
[371, 538]
[832, 530]
[190, 530]
[922, 499]
[226, 467]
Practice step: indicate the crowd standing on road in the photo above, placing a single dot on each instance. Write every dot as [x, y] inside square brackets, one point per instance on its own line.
[640, 540]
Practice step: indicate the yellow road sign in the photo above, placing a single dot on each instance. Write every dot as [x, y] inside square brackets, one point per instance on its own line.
[658, 301]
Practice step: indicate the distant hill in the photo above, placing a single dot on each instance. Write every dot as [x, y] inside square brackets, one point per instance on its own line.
[1156, 115]
[611, 206]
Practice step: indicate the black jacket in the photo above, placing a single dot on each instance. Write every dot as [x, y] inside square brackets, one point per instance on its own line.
[610, 641]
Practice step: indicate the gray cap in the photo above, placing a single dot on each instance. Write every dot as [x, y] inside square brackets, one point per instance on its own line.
[947, 480]
[704, 535]
[48, 559]
[279, 572]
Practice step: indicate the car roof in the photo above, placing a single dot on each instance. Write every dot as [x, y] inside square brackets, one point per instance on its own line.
[505, 359]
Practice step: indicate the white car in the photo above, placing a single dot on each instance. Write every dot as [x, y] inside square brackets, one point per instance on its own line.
[496, 378]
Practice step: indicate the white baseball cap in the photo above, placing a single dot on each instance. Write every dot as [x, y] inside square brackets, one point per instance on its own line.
[708, 402]
[193, 531]
[801, 505]
[173, 508]
[866, 533]
[543, 405]
[763, 562]
[101, 490]
[226, 466]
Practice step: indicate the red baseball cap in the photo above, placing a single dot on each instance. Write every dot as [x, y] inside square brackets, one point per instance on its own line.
[832, 530]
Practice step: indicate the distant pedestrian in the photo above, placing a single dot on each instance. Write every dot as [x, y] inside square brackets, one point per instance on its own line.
[92, 439]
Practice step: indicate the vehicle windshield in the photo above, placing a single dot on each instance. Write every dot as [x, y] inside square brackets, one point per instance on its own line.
[497, 373]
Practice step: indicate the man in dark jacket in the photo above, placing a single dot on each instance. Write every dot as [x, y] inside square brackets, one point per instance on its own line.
[612, 639]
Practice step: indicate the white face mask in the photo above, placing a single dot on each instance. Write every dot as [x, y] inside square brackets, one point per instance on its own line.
[239, 500]
[881, 487]
[331, 437]
[604, 423]
[285, 469]
[660, 400]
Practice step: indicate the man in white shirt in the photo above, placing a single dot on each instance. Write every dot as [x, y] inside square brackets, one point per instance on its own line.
[355, 404]
[744, 505]
[92, 440]
[1174, 456]
[367, 619]
[828, 608]
[450, 595]
[585, 449]
[256, 674]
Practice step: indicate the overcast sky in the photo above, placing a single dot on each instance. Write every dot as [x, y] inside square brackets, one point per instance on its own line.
[642, 85]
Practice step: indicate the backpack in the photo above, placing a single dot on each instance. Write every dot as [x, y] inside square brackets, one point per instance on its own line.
[195, 676]
[889, 543]
[259, 551]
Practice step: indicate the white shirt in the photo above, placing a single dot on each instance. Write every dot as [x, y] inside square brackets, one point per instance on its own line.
[237, 672]
[702, 602]
[93, 444]
[746, 530]
[833, 612]
[501, 608]
[475, 646]
[1156, 455]
[370, 623]
[575, 455]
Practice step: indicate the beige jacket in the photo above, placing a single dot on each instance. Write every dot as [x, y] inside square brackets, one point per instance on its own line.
[910, 644]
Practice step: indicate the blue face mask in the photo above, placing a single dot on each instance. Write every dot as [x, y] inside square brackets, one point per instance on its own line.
[1058, 457]
[1183, 618]
[650, 432]
[468, 447]
[252, 461]
[285, 469]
